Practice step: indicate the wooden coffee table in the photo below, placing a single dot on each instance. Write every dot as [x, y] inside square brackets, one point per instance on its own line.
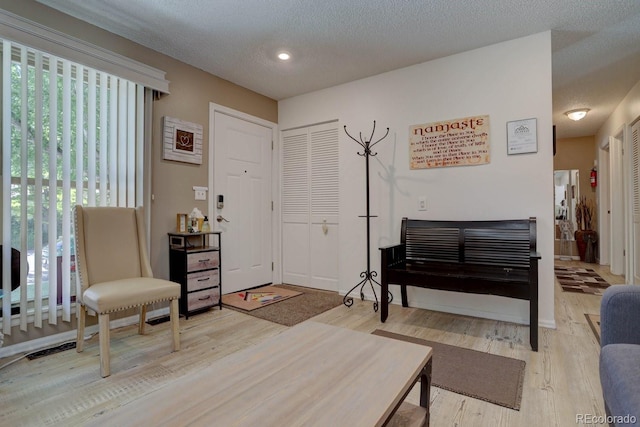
[311, 374]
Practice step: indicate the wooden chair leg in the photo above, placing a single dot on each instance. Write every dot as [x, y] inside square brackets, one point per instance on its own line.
[103, 321]
[175, 323]
[143, 319]
[81, 313]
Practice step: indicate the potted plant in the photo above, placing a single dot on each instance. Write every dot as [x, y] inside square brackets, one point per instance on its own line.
[586, 237]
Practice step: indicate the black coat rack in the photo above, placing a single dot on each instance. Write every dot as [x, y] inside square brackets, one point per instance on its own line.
[367, 275]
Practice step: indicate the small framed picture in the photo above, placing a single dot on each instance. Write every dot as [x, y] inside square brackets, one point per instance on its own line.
[182, 141]
[182, 224]
[522, 136]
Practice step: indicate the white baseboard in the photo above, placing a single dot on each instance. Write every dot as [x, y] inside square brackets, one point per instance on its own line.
[464, 311]
[57, 339]
[573, 257]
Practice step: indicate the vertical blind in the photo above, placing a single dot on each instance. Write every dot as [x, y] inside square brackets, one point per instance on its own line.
[70, 135]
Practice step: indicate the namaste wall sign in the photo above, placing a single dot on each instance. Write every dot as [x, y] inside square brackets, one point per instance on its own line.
[457, 142]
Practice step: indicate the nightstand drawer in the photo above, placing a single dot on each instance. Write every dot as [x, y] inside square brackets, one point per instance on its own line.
[203, 260]
[202, 280]
[202, 299]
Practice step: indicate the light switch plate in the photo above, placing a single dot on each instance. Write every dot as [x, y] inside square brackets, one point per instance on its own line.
[422, 203]
[201, 192]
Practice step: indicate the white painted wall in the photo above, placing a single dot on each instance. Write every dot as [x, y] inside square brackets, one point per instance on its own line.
[617, 126]
[507, 81]
[627, 111]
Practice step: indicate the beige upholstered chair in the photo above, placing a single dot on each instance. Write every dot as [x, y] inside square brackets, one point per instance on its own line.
[114, 272]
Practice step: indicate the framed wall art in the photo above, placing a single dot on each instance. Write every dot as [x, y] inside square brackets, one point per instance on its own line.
[182, 141]
[522, 136]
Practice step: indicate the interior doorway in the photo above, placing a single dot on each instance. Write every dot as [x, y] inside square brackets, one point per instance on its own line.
[566, 195]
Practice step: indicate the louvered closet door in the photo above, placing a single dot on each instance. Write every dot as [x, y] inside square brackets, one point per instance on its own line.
[310, 197]
[324, 206]
[635, 150]
[295, 207]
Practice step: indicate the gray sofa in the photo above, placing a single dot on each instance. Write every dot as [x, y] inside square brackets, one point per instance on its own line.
[620, 353]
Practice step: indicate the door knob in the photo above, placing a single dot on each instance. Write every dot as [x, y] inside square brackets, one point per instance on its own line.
[220, 218]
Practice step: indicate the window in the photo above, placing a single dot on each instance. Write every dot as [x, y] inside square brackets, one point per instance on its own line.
[70, 135]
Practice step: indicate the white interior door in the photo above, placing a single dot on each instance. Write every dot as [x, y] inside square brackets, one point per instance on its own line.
[635, 235]
[604, 205]
[325, 199]
[310, 200]
[242, 175]
[616, 171]
[295, 207]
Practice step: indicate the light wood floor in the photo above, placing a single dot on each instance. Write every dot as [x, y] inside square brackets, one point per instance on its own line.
[561, 379]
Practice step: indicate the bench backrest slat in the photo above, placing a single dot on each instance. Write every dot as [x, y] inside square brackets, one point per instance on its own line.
[506, 243]
[497, 247]
[433, 244]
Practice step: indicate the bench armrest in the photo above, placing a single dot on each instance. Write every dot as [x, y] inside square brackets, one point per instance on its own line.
[619, 315]
[535, 255]
[382, 248]
[393, 255]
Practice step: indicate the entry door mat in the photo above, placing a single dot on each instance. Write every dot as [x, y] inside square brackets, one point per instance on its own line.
[291, 311]
[594, 322]
[577, 279]
[489, 377]
[252, 299]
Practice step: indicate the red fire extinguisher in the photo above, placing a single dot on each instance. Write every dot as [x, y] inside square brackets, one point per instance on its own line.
[594, 177]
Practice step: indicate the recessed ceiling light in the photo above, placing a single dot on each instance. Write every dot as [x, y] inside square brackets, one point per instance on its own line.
[576, 115]
[284, 56]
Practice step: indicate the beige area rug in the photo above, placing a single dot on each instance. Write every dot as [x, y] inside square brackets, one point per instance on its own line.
[291, 311]
[259, 297]
[594, 322]
[489, 377]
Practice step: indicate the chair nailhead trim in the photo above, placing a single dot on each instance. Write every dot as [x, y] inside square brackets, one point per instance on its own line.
[136, 305]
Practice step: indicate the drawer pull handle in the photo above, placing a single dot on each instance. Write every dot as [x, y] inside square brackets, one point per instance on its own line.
[205, 298]
[204, 260]
[204, 280]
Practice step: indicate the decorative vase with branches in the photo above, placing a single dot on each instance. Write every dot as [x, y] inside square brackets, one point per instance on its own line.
[585, 210]
[586, 237]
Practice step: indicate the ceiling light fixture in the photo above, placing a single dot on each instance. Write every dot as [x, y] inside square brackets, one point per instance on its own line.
[578, 114]
[284, 56]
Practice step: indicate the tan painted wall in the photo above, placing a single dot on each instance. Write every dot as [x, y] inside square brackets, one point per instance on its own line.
[191, 92]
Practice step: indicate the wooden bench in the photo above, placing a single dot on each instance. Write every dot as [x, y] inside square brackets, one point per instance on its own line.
[480, 257]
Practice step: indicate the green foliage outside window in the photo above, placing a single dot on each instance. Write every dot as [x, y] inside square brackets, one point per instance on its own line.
[31, 131]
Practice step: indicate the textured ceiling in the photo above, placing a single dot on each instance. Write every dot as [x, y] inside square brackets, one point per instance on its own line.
[596, 43]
